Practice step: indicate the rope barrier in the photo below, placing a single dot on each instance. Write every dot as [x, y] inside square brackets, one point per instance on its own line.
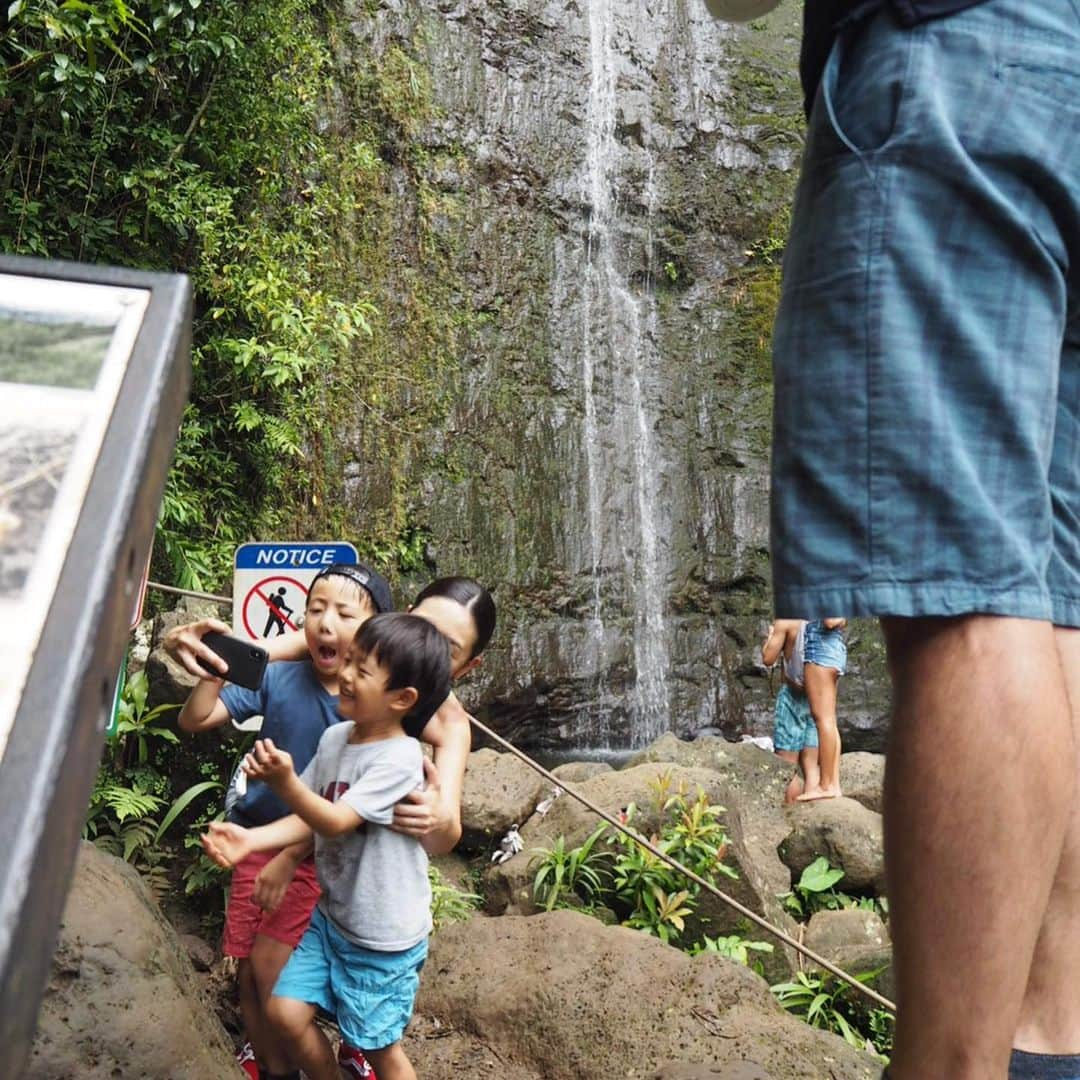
[188, 592]
[764, 924]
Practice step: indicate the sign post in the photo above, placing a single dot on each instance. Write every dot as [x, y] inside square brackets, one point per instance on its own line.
[271, 583]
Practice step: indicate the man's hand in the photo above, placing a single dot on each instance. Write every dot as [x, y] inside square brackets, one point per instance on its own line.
[226, 843]
[423, 811]
[184, 644]
[269, 764]
[837, 622]
[273, 880]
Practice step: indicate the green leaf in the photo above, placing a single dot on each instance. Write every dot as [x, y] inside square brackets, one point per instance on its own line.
[14, 9]
[182, 802]
[819, 876]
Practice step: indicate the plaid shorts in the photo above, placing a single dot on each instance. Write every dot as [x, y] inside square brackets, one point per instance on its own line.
[926, 455]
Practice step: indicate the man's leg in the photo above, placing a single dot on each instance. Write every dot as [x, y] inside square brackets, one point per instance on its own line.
[1050, 1017]
[978, 788]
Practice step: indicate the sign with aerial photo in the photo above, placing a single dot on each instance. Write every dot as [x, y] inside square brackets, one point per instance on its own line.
[64, 349]
[95, 364]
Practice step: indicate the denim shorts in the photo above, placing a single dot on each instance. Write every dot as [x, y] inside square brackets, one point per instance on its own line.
[826, 648]
[926, 451]
[793, 727]
[371, 993]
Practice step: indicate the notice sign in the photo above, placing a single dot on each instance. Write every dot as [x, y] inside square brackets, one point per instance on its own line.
[271, 582]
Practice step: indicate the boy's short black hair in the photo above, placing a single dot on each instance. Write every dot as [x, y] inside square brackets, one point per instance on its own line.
[413, 653]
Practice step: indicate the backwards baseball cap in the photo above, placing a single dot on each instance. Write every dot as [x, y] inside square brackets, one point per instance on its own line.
[373, 583]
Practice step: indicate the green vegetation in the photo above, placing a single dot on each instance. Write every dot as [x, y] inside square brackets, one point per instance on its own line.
[611, 872]
[449, 903]
[814, 892]
[194, 136]
[135, 783]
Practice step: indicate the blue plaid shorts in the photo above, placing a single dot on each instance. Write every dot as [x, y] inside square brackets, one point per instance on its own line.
[793, 724]
[926, 454]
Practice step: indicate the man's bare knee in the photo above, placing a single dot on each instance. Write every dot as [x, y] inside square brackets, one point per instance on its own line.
[291, 1018]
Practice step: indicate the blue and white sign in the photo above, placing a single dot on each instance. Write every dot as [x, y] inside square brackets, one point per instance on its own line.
[271, 583]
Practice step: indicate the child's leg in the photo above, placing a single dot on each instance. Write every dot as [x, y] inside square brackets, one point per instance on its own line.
[795, 784]
[808, 762]
[308, 1047]
[390, 1063]
[267, 959]
[821, 683]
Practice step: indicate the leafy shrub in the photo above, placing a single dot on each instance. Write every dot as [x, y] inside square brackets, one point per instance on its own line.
[449, 903]
[814, 892]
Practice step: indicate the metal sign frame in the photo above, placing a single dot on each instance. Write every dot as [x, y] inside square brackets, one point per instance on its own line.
[48, 765]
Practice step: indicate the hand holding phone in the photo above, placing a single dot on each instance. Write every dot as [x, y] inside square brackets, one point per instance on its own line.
[246, 660]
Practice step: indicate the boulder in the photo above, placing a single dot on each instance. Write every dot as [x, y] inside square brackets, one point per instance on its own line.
[748, 782]
[500, 790]
[855, 941]
[122, 999]
[574, 772]
[846, 833]
[862, 776]
[561, 996]
[169, 682]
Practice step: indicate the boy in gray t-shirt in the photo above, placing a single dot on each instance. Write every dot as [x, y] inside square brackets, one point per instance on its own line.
[362, 954]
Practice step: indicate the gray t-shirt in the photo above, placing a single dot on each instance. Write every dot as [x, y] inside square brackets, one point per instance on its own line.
[374, 881]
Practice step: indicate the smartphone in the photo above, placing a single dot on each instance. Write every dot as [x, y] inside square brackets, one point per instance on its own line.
[246, 660]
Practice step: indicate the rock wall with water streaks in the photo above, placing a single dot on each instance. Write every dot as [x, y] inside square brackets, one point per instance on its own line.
[614, 178]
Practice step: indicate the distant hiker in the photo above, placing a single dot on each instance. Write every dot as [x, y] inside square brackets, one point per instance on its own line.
[361, 955]
[795, 736]
[824, 661]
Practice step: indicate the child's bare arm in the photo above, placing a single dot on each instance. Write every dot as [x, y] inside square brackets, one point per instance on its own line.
[228, 843]
[266, 762]
[273, 880]
[185, 645]
[204, 708]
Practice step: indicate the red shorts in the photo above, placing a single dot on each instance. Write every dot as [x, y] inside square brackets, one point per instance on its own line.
[244, 919]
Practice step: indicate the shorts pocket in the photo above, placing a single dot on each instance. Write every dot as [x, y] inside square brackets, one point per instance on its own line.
[867, 87]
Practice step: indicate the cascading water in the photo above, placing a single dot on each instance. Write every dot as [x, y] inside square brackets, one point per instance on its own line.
[616, 342]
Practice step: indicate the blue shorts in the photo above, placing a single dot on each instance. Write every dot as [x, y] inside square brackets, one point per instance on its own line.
[926, 451]
[371, 993]
[793, 727]
[826, 648]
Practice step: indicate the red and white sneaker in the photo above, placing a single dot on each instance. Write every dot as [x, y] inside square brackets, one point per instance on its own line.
[354, 1063]
[245, 1058]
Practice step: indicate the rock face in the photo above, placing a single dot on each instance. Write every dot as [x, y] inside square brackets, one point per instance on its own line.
[856, 941]
[500, 791]
[607, 184]
[845, 833]
[862, 776]
[562, 996]
[122, 999]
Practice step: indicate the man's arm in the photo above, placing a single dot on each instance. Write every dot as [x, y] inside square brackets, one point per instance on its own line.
[434, 814]
[204, 708]
[773, 645]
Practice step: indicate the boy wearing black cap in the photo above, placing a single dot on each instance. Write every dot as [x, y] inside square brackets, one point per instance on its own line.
[273, 893]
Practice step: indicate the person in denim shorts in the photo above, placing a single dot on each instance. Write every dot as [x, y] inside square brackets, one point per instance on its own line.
[926, 470]
[824, 661]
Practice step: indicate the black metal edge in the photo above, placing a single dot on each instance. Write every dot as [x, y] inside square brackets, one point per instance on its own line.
[51, 758]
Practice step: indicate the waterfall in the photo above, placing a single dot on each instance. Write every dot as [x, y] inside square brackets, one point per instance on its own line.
[618, 340]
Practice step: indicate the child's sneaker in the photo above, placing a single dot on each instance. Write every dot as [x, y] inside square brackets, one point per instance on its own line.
[354, 1063]
[245, 1058]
